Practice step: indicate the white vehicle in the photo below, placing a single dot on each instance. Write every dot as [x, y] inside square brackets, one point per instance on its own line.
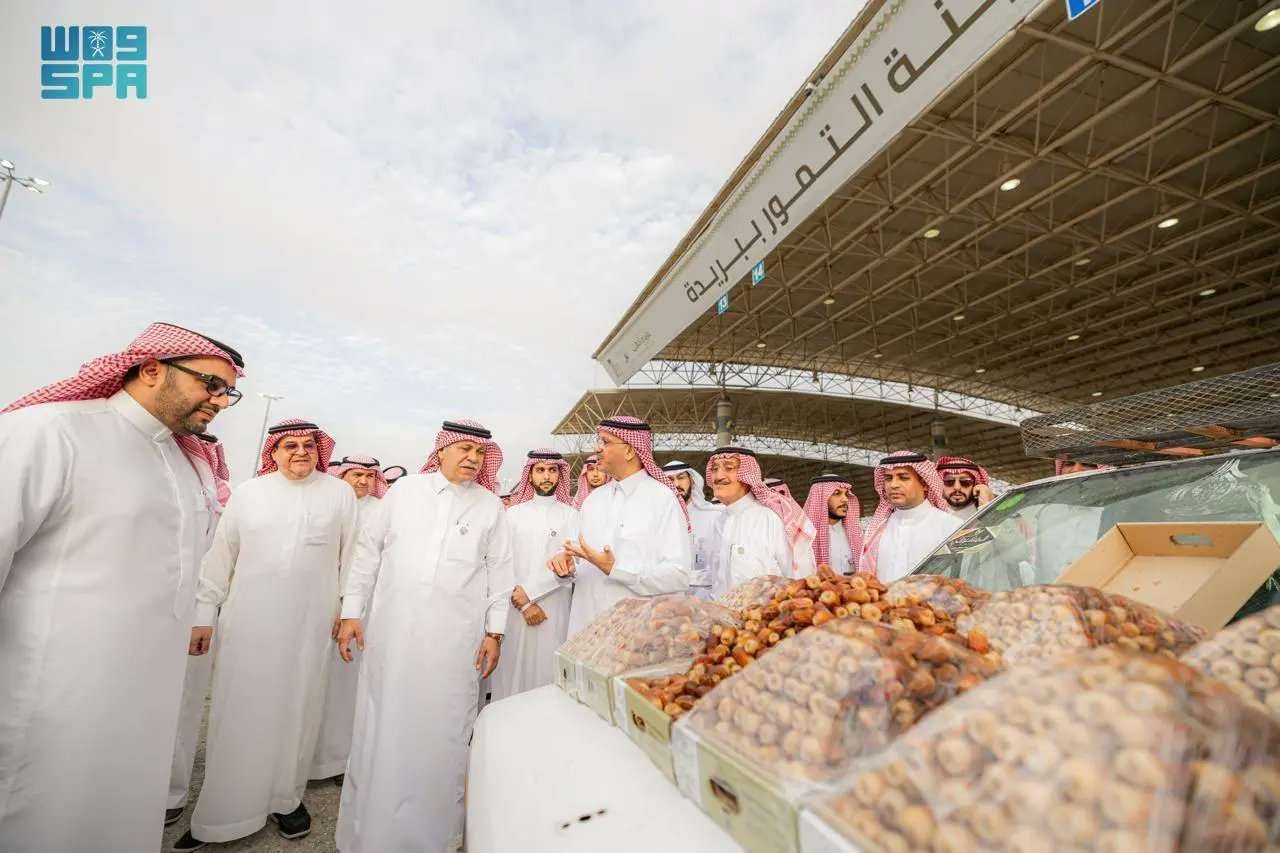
[1030, 533]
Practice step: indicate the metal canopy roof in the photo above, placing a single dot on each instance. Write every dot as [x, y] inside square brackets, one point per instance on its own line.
[1141, 240]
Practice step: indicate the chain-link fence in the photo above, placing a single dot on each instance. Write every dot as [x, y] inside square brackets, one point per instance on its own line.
[1239, 410]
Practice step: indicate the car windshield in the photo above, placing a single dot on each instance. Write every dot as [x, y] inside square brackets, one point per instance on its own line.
[1031, 533]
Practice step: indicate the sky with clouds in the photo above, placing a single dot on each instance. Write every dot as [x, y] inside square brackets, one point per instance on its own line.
[399, 212]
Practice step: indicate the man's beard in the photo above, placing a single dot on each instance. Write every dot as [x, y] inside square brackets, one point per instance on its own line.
[686, 492]
[833, 518]
[971, 499]
[545, 489]
[173, 409]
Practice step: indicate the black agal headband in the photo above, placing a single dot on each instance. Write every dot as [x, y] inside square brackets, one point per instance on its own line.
[466, 429]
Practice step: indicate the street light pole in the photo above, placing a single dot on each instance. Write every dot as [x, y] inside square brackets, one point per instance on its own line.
[262, 437]
[36, 185]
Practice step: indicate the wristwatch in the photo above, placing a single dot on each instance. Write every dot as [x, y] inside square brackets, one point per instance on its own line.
[492, 636]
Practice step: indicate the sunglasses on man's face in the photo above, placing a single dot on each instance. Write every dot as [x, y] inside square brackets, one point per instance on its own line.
[963, 483]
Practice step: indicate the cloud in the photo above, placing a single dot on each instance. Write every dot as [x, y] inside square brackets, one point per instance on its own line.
[415, 212]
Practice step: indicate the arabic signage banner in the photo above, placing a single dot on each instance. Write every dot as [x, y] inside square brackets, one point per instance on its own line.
[906, 57]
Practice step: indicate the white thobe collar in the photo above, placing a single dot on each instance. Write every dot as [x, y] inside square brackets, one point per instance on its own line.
[289, 481]
[630, 484]
[440, 483]
[916, 514]
[740, 505]
[133, 412]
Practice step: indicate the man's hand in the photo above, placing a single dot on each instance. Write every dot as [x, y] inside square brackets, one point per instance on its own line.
[602, 560]
[337, 623]
[201, 638]
[984, 494]
[535, 615]
[519, 598]
[487, 656]
[347, 629]
[562, 564]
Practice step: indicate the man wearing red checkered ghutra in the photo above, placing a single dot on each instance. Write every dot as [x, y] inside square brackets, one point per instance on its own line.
[109, 501]
[274, 569]
[433, 571]
[635, 529]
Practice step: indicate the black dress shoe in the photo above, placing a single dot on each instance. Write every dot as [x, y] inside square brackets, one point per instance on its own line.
[186, 843]
[295, 824]
[171, 815]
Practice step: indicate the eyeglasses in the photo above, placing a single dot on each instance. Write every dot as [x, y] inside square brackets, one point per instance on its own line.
[215, 385]
[954, 481]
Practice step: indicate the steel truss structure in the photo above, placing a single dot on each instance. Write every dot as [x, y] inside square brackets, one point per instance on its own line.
[690, 375]
[1102, 204]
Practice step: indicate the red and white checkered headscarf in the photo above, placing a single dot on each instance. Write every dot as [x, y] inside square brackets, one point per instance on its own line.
[524, 489]
[638, 434]
[218, 465]
[294, 426]
[962, 463]
[391, 478]
[815, 507]
[104, 376]
[1059, 463]
[356, 461]
[585, 488]
[780, 487]
[933, 493]
[800, 532]
[465, 429]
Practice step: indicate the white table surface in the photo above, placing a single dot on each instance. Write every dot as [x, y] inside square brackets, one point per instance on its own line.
[540, 760]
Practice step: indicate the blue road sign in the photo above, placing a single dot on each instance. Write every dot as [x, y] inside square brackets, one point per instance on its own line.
[757, 273]
[722, 304]
[1076, 8]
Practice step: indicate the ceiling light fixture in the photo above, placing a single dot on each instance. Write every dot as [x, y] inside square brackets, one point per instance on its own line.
[1074, 337]
[1199, 368]
[829, 300]
[1168, 223]
[980, 370]
[1208, 291]
[761, 345]
[1096, 394]
[958, 317]
[1084, 262]
[1268, 22]
[932, 233]
[1010, 185]
[877, 355]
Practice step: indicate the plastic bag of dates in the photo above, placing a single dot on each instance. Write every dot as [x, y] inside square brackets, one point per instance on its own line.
[1109, 750]
[830, 696]
[756, 592]
[1033, 624]
[654, 630]
[950, 595]
[1245, 656]
[582, 644]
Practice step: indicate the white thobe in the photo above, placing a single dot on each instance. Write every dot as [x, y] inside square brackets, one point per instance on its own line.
[195, 689]
[334, 743]
[909, 536]
[538, 530]
[839, 554]
[704, 519]
[274, 568]
[753, 543]
[965, 512]
[434, 568]
[102, 521]
[641, 521]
